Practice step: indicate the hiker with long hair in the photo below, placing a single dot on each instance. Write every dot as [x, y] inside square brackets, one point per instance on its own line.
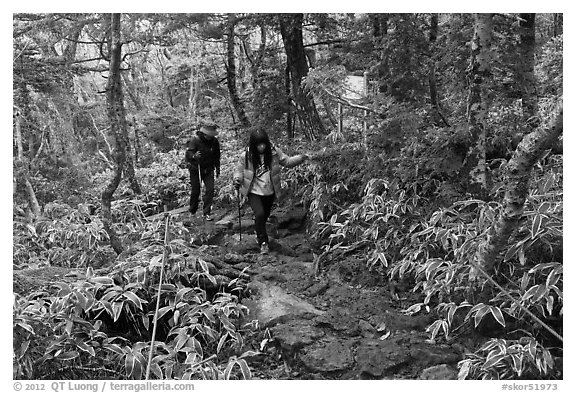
[257, 176]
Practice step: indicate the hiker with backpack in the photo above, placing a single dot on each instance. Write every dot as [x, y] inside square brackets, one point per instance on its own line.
[203, 161]
[257, 177]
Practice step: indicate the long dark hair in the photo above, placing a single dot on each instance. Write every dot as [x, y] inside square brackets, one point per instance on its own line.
[257, 137]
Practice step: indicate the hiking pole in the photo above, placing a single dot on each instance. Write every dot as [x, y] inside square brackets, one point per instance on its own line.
[164, 255]
[239, 213]
[200, 189]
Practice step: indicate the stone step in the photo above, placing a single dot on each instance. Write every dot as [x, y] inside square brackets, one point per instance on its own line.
[270, 305]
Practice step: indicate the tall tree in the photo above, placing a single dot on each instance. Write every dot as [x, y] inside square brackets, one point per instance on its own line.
[297, 67]
[118, 124]
[479, 75]
[527, 78]
[231, 71]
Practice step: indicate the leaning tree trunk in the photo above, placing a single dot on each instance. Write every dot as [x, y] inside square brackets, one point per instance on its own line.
[478, 74]
[291, 30]
[518, 172]
[117, 116]
[231, 73]
[527, 78]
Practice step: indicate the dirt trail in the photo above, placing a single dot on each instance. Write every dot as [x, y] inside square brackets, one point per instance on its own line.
[343, 324]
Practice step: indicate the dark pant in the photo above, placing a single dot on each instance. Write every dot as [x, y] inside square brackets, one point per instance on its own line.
[262, 207]
[208, 197]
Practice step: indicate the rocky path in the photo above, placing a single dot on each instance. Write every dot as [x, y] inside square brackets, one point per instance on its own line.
[344, 323]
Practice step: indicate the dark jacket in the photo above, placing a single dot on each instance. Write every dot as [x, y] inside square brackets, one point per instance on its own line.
[245, 169]
[209, 149]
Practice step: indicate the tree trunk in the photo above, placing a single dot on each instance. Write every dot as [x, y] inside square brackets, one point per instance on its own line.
[132, 159]
[19, 145]
[231, 73]
[166, 91]
[558, 25]
[376, 30]
[117, 117]
[527, 78]
[291, 30]
[137, 142]
[193, 95]
[518, 172]
[255, 60]
[478, 75]
[132, 93]
[432, 82]
[379, 25]
[289, 106]
[66, 103]
[23, 170]
[432, 72]
[34, 205]
[311, 56]
[116, 109]
[130, 168]
[384, 24]
[329, 113]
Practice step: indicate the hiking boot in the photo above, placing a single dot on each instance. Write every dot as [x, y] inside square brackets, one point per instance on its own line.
[208, 217]
[264, 249]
